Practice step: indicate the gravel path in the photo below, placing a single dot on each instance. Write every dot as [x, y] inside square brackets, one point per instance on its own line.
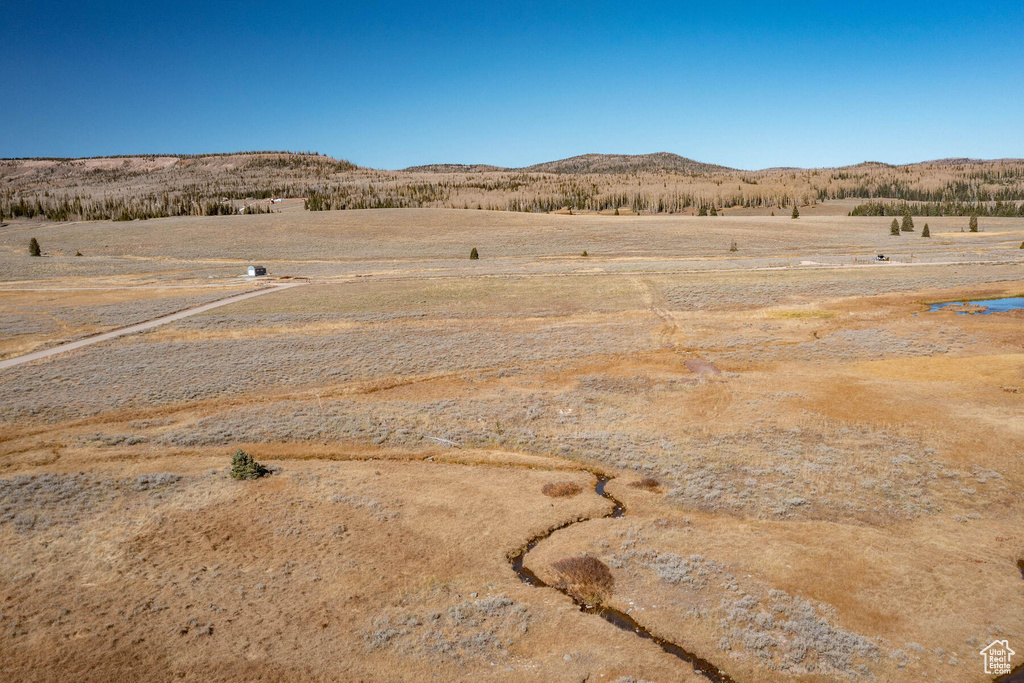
[131, 329]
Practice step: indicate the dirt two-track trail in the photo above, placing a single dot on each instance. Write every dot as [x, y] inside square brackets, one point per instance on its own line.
[139, 327]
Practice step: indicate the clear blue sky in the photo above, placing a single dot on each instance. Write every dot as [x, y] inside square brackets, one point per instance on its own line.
[392, 84]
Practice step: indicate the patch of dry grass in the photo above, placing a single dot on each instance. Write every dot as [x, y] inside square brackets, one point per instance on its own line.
[586, 578]
[647, 484]
[562, 489]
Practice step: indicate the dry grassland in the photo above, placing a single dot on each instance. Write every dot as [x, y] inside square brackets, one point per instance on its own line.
[821, 478]
[37, 318]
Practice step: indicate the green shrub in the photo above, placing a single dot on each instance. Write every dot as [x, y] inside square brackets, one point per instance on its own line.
[473, 254]
[585, 254]
[33, 248]
[243, 466]
[733, 247]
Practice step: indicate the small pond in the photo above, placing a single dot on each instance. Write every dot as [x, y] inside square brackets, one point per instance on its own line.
[983, 307]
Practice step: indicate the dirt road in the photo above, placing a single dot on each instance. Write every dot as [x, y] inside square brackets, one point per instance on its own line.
[131, 329]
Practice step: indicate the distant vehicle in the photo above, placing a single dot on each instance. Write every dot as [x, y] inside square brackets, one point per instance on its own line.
[881, 257]
[255, 271]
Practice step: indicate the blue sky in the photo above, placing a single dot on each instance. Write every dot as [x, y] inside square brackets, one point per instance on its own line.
[392, 84]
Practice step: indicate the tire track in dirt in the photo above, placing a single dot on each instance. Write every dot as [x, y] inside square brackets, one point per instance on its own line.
[670, 327]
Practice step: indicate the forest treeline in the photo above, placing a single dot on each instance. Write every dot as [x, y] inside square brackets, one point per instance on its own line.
[153, 186]
[997, 208]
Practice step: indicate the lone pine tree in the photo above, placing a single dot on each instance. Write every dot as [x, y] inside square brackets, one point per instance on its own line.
[33, 248]
[908, 223]
[894, 229]
[796, 212]
[924, 232]
[473, 254]
[972, 225]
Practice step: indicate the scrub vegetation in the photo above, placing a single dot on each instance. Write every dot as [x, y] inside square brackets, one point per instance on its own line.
[820, 476]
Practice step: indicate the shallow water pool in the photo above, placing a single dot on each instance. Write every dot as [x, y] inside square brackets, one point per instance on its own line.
[991, 305]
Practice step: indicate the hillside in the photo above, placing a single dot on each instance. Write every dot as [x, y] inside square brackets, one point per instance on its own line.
[584, 164]
[626, 163]
[453, 168]
[152, 186]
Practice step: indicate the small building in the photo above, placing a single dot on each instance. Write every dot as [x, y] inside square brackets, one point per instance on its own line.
[257, 270]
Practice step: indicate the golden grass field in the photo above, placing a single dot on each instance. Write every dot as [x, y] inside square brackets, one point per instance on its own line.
[833, 473]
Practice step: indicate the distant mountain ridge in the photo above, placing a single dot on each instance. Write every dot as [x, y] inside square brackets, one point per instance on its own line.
[666, 162]
[454, 168]
[599, 164]
[626, 163]
[591, 163]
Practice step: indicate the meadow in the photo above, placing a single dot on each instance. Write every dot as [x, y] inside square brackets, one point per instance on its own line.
[820, 477]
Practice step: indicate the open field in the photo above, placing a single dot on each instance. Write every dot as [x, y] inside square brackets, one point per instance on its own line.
[821, 479]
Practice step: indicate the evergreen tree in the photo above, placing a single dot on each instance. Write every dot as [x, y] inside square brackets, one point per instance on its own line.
[33, 248]
[473, 255]
[925, 232]
[244, 466]
[973, 224]
[894, 229]
[796, 212]
[908, 223]
[703, 211]
[714, 212]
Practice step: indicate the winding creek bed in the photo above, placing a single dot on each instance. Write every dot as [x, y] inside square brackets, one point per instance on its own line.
[609, 614]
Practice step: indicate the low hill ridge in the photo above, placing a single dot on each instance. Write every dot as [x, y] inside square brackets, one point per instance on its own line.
[591, 163]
